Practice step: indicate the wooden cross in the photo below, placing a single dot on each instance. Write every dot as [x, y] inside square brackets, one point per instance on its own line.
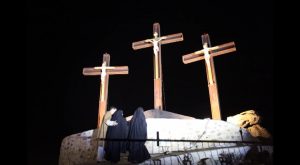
[156, 42]
[105, 70]
[207, 53]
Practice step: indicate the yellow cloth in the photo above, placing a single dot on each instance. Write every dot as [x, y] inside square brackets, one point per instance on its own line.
[103, 129]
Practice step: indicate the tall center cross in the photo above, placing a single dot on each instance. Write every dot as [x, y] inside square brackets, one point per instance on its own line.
[207, 53]
[156, 43]
[105, 70]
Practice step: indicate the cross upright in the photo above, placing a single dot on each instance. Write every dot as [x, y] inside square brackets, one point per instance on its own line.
[105, 70]
[207, 53]
[156, 43]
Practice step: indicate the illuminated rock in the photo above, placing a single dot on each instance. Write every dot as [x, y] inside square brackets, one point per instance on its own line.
[78, 148]
[162, 114]
[196, 129]
[81, 148]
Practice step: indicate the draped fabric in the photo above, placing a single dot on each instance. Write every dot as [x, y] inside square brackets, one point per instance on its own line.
[118, 135]
[137, 131]
[103, 129]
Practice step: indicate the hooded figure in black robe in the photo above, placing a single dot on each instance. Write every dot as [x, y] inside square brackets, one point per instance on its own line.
[137, 130]
[118, 134]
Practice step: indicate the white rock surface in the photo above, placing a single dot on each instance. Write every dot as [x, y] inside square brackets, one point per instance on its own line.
[81, 148]
[186, 129]
[78, 149]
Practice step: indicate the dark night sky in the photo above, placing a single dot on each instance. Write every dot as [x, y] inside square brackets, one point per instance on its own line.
[63, 37]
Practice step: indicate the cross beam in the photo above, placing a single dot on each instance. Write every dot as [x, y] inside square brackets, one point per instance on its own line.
[105, 70]
[156, 43]
[207, 54]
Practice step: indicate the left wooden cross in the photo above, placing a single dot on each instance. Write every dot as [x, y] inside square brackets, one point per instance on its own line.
[104, 71]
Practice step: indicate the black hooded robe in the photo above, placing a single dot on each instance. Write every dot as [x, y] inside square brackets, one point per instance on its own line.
[119, 133]
[138, 130]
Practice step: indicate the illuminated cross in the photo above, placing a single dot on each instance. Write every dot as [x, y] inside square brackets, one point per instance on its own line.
[105, 70]
[156, 43]
[207, 53]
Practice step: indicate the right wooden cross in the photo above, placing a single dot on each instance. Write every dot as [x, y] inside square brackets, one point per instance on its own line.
[207, 54]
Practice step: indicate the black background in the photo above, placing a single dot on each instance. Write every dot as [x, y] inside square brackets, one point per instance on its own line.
[63, 37]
